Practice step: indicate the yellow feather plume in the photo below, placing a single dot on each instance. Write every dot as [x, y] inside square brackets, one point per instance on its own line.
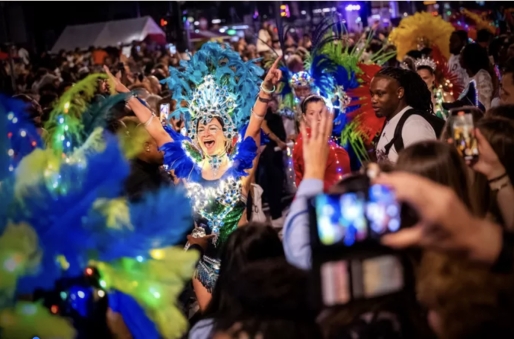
[19, 254]
[421, 25]
[116, 212]
[40, 165]
[27, 320]
[132, 139]
[480, 23]
[155, 284]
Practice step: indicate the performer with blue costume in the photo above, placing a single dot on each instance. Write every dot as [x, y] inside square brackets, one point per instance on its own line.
[213, 161]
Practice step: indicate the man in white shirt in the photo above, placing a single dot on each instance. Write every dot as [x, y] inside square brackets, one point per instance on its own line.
[396, 92]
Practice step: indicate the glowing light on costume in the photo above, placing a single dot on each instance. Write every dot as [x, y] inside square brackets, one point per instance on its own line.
[301, 79]
[439, 100]
[227, 193]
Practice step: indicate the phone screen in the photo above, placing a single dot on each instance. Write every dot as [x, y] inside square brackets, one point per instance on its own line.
[352, 217]
[165, 112]
[463, 134]
[382, 210]
[341, 218]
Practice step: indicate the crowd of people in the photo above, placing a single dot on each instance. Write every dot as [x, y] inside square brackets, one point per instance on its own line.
[137, 184]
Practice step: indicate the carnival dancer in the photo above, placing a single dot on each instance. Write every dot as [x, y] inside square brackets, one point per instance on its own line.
[336, 77]
[429, 37]
[220, 89]
[426, 68]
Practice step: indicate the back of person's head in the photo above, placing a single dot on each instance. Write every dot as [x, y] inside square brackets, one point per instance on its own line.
[474, 58]
[439, 162]
[484, 35]
[465, 300]
[462, 34]
[274, 303]
[350, 183]
[502, 111]
[250, 243]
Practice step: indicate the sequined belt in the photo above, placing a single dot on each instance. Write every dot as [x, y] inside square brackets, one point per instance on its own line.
[207, 272]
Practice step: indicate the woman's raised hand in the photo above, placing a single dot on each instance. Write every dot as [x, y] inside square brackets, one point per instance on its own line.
[118, 86]
[316, 147]
[274, 75]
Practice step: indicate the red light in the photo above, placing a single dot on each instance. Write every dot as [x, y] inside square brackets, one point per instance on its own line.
[54, 309]
[89, 271]
[34, 144]
[163, 22]
[9, 135]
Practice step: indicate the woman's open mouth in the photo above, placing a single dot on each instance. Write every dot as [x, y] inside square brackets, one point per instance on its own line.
[209, 144]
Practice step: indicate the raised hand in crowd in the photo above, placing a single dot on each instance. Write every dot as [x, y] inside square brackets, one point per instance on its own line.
[488, 162]
[445, 224]
[315, 145]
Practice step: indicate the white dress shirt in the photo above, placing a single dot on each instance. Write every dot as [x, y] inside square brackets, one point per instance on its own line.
[415, 129]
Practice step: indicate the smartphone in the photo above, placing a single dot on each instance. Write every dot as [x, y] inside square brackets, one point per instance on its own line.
[164, 112]
[462, 131]
[172, 48]
[343, 281]
[353, 217]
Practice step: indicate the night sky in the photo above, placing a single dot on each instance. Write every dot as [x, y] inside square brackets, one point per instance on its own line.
[46, 20]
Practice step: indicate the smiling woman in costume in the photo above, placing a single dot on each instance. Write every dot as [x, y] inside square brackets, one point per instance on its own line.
[212, 160]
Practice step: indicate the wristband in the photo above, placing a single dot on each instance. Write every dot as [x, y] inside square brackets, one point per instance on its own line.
[264, 100]
[505, 261]
[498, 178]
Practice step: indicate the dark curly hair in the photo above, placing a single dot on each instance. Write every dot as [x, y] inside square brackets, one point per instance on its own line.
[417, 95]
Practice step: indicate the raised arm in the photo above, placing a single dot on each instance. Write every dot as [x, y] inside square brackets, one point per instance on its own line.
[150, 121]
[269, 85]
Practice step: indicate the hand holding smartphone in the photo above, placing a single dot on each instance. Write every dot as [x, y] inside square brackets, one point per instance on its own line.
[462, 132]
[348, 260]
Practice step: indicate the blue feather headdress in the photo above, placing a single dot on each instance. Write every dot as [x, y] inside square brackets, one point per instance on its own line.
[215, 82]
